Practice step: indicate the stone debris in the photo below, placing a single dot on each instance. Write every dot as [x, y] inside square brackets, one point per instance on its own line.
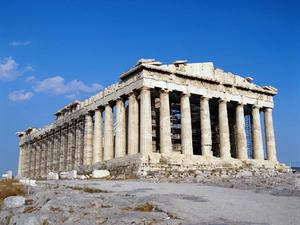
[13, 201]
[100, 173]
[27, 181]
[52, 176]
[70, 175]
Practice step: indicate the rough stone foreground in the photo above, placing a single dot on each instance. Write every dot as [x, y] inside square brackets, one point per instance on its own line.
[116, 202]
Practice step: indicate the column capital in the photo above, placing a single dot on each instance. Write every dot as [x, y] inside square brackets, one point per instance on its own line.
[90, 113]
[188, 94]
[241, 103]
[99, 109]
[145, 88]
[120, 98]
[225, 100]
[205, 97]
[132, 92]
[164, 90]
[109, 103]
[256, 107]
[268, 109]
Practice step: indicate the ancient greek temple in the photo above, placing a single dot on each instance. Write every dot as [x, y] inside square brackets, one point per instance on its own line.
[190, 112]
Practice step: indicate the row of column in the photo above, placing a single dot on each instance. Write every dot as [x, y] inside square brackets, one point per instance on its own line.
[61, 150]
[65, 150]
[116, 147]
[105, 143]
[224, 134]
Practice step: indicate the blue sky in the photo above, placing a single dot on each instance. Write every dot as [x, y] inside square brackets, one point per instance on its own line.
[54, 51]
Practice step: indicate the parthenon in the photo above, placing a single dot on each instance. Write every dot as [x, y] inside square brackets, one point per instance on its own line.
[189, 110]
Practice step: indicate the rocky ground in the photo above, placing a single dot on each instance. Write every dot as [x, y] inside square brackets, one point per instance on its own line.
[246, 200]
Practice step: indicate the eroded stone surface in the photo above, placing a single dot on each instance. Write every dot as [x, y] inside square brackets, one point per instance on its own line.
[121, 202]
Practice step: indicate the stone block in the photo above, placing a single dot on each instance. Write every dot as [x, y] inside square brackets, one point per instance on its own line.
[14, 201]
[100, 173]
[28, 182]
[52, 176]
[70, 175]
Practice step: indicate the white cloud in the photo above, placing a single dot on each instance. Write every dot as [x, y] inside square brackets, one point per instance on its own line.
[20, 96]
[9, 69]
[28, 68]
[30, 79]
[19, 43]
[58, 86]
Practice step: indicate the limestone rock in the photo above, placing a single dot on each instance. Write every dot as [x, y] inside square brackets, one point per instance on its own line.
[14, 201]
[70, 175]
[52, 176]
[100, 173]
[28, 182]
[82, 177]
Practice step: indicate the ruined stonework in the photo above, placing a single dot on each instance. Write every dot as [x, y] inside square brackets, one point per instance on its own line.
[158, 119]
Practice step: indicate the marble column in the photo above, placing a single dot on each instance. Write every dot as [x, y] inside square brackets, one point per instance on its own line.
[71, 145]
[45, 156]
[205, 126]
[88, 140]
[34, 158]
[257, 141]
[186, 125]
[146, 121]
[165, 123]
[50, 153]
[79, 137]
[224, 130]
[56, 150]
[120, 140]
[38, 160]
[108, 133]
[270, 136]
[98, 137]
[21, 161]
[241, 133]
[30, 162]
[133, 124]
[61, 152]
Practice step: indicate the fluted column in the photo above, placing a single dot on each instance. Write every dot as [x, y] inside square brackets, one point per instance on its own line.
[206, 139]
[30, 162]
[21, 161]
[79, 136]
[165, 123]
[186, 125]
[45, 156]
[257, 141]
[50, 153]
[241, 133]
[71, 146]
[88, 140]
[38, 160]
[224, 130]
[61, 153]
[34, 158]
[98, 137]
[108, 133]
[133, 124]
[146, 121]
[26, 158]
[56, 151]
[270, 136]
[120, 140]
